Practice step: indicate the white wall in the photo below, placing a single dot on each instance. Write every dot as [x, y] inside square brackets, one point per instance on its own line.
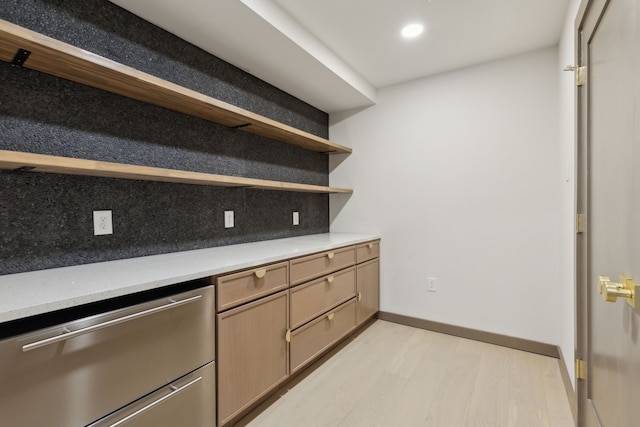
[460, 175]
[566, 56]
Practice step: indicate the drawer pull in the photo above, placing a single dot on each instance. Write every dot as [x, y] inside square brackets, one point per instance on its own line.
[175, 390]
[330, 316]
[260, 273]
[330, 279]
[68, 335]
[370, 245]
[287, 336]
[359, 296]
[330, 255]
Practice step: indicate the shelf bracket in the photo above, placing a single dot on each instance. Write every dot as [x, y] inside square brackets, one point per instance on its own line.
[244, 125]
[20, 57]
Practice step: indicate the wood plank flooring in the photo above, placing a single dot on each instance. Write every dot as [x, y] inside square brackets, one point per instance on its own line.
[394, 375]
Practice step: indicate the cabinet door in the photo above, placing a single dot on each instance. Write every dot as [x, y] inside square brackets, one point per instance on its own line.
[252, 353]
[368, 280]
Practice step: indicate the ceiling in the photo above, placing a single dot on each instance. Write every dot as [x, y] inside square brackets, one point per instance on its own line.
[335, 54]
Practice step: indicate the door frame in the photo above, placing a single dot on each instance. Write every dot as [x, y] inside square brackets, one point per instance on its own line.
[583, 23]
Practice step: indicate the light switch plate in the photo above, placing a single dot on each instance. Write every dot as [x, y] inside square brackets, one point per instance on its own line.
[432, 284]
[296, 218]
[228, 219]
[102, 223]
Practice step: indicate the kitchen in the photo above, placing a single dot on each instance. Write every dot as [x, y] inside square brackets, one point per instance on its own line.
[48, 217]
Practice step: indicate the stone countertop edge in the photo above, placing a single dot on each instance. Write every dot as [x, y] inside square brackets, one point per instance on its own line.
[37, 292]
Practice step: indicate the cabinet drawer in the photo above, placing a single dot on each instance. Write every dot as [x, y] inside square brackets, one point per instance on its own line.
[77, 372]
[187, 401]
[316, 265]
[367, 251]
[245, 286]
[315, 337]
[316, 297]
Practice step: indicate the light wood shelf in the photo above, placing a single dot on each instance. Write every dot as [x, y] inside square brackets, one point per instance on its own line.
[14, 160]
[69, 62]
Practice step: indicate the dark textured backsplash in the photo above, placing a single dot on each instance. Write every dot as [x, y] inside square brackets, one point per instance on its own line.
[46, 219]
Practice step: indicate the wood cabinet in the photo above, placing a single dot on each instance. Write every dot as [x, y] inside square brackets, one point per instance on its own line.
[239, 288]
[316, 265]
[253, 353]
[368, 288]
[316, 297]
[368, 280]
[313, 339]
[367, 251]
[275, 320]
[323, 310]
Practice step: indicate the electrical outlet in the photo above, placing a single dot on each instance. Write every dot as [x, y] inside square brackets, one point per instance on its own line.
[431, 284]
[296, 218]
[102, 223]
[228, 219]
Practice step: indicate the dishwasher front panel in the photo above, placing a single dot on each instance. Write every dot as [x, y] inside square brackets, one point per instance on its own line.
[188, 401]
[75, 373]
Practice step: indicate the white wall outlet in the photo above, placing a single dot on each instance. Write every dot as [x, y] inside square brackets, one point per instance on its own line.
[228, 219]
[102, 223]
[432, 284]
[296, 218]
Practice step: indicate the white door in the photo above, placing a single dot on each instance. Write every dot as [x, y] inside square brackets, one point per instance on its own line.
[609, 197]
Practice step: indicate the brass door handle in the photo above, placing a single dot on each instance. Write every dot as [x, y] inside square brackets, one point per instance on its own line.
[626, 288]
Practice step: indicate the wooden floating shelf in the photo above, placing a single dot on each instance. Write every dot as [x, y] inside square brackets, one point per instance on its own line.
[14, 160]
[69, 62]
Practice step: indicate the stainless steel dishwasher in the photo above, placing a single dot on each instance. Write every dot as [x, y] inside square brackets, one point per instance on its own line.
[150, 361]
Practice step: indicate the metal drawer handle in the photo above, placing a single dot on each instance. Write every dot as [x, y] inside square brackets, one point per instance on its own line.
[330, 279]
[359, 296]
[157, 402]
[66, 336]
[330, 316]
[330, 255]
[260, 273]
[370, 245]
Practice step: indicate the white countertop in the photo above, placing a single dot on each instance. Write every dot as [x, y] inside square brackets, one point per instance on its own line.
[37, 292]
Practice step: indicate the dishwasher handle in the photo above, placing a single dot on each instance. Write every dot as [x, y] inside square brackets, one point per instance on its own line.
[67, 335]
[174, 391]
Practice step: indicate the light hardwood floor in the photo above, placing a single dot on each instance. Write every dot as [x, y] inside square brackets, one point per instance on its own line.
[395, 375]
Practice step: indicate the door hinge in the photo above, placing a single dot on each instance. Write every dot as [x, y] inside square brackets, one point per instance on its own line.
[580, 223]
[580, 73]
[581, 370]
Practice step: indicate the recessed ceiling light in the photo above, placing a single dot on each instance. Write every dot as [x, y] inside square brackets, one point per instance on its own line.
[412, 30]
